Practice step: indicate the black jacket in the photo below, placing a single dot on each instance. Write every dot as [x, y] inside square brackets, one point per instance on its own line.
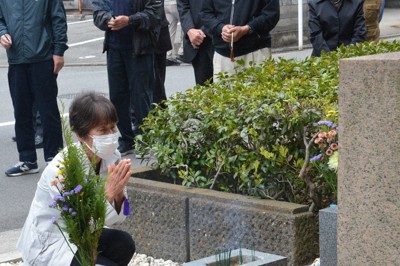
[261, 15]
[330, 28]
[189, 14]
[146, 20]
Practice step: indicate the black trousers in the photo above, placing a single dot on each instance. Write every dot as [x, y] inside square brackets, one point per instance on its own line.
[35, 84]
[116, 248]
[159, 71]
[203, 63]
[131, 85]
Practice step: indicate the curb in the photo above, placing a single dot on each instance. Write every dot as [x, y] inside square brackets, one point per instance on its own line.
[8, 250]
[10, 257]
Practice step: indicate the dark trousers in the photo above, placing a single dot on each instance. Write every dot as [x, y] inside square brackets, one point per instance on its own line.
[37, 123]
[116, 248]
[203, 63]
[131, 86]
[29, 84]
[160, 65]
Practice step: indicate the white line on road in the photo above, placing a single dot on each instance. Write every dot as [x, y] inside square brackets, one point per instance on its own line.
[7, 124]
[79, 22]
[85, 42]
[4, 124]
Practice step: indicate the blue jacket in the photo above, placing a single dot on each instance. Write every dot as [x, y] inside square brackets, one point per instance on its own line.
[330, 28]
[261, 15]
[38, 29]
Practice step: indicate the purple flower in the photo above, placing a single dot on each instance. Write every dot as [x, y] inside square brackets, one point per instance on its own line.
[73, 213]
[127, 209]
[66, 194]
[53, 204]
[326, 123]
[78, 189]
[58, 198]
[316, 158]
[65, 208]
[53, 220]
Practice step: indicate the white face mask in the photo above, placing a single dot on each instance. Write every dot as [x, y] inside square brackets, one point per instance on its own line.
[104, 146]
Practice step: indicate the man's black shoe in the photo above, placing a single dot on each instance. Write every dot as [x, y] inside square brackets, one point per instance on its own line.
[172, 62]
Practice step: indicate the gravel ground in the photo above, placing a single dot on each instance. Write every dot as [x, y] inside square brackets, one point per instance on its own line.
[137, 260]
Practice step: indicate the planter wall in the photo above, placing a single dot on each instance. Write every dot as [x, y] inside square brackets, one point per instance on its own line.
[182, 224]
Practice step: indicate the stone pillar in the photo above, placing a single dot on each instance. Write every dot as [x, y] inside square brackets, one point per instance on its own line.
[328, 236]
[369, 165]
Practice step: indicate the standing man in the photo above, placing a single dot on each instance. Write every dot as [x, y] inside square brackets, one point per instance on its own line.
[35, 36]
[240, 30]
[163, 46]
[197, 44]
[171, 12]
[333, 23]
[131, 30]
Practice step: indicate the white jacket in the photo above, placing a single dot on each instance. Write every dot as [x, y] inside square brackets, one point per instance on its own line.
[41, 243]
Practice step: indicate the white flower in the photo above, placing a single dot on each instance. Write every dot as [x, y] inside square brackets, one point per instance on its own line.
[334, 161]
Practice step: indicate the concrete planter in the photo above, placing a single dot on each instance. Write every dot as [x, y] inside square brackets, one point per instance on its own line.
[249, 258]
[183, 224]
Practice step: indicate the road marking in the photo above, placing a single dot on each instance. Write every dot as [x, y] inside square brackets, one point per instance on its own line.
[87, 57]
[4, 124]
[7, 124]
[79, 22]
[85, 42]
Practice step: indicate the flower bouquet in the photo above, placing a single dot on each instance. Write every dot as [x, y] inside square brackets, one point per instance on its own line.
[82, 201]
[326, 162]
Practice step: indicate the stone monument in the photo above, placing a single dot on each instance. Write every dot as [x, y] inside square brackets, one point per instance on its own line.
[369, 165]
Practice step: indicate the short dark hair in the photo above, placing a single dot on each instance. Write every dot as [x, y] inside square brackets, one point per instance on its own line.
[89, 110]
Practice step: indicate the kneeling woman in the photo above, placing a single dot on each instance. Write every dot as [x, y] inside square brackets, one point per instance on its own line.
[93, 119]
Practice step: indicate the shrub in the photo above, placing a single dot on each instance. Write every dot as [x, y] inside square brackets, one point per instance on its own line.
[251, 133]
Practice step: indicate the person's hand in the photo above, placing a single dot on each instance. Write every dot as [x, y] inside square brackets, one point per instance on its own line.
[118, 177]
[6, 41]
[58, 63]
[118, 23]
[226, 33]
[196, 37]
[237, 31]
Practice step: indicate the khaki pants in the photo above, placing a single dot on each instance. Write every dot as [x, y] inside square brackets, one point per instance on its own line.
[371, 15]
[224, 64]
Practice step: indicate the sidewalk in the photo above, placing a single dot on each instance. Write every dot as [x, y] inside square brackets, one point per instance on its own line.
[390, 30]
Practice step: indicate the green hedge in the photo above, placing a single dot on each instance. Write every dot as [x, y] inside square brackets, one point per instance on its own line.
[246, 133]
